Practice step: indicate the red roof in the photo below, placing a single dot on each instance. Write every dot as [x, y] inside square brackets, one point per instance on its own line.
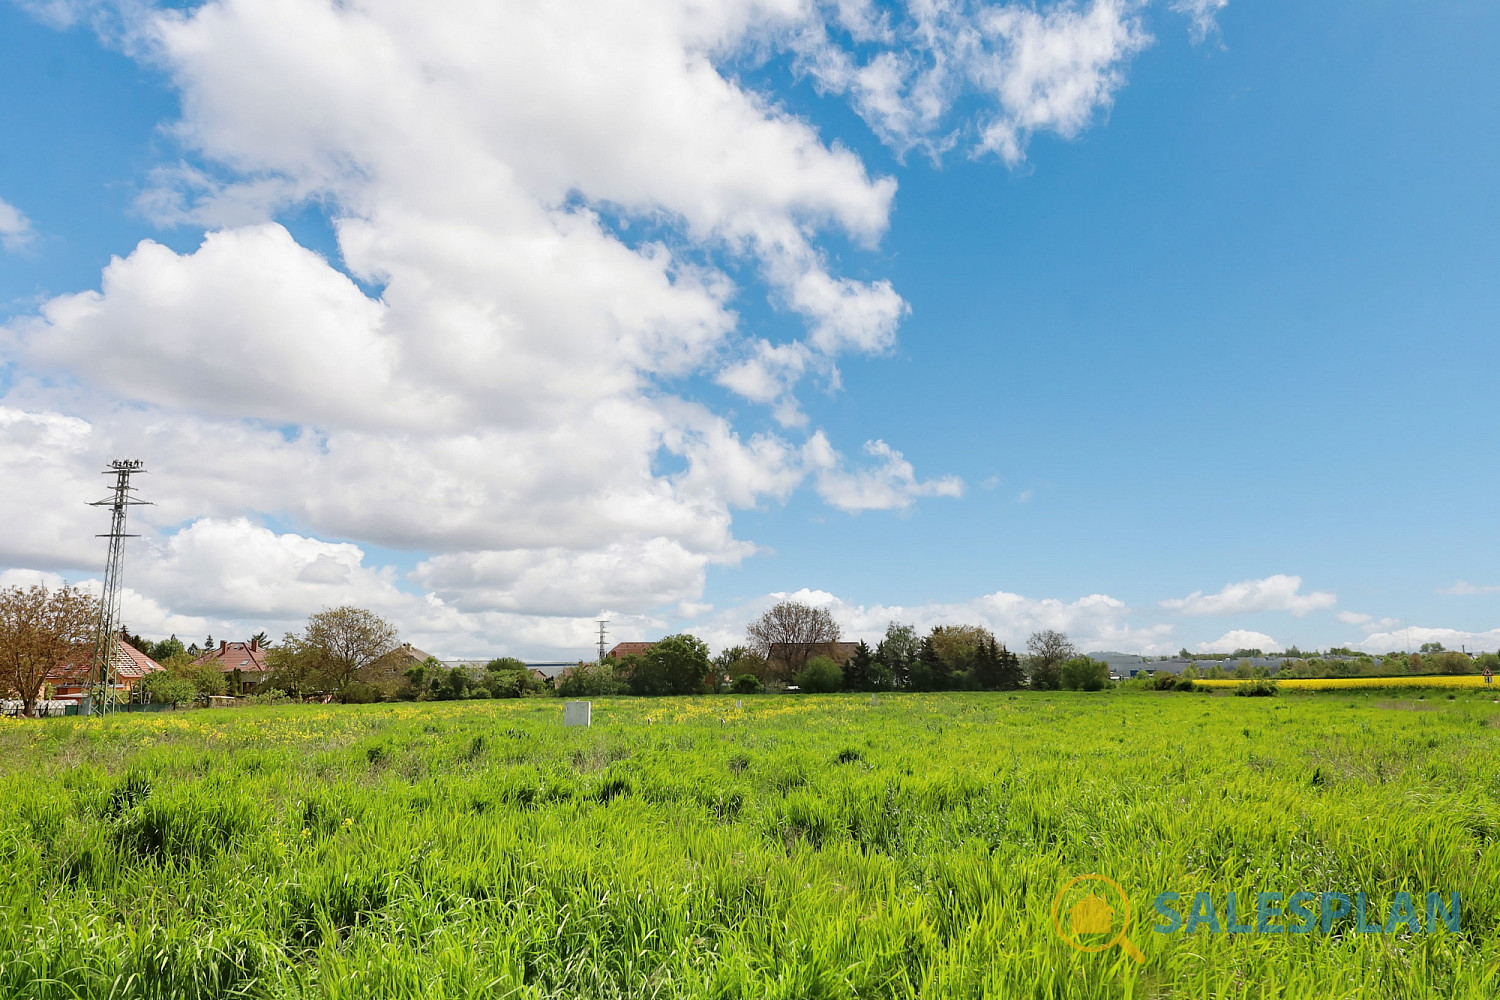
[247, 657]
[130, 665]
[630, 649]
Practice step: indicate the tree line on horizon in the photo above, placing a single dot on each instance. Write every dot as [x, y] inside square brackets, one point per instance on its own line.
[352, 655]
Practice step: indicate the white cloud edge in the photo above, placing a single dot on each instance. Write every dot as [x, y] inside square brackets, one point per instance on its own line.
[16, 231]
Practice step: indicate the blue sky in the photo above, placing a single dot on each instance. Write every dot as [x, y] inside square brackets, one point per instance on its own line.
[1233, 328]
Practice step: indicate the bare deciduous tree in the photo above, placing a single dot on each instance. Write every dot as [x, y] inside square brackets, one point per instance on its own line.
[790, 634]
[40, 629]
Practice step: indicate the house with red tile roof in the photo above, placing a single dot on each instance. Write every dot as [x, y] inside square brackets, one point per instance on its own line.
[69, 680]
[624, 649]
[244, 663]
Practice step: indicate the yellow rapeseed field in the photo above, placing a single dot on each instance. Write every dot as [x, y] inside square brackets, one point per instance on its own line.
[1341, 683]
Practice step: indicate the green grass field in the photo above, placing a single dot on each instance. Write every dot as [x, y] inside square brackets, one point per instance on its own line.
[802, 847]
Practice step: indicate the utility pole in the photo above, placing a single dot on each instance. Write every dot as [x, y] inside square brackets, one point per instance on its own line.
[121, 498]
[603, 631]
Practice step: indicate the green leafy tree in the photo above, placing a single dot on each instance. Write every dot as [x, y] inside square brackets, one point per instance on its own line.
[675, 665]
[821, 676]
[508, 677]
[747, 684]
[592, 680]
[295, 667]
[896, 654]
[1046, 652]
[959, 647]
[206, 678]
[731, 663]
[164, 688]
[451, 684]
[167, 650]
[1084, 674]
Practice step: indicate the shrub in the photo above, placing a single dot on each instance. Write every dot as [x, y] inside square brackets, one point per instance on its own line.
[590, 680]
[1183, 684]
[164, 688]
[1084, 674]
[360, 693]
[274, 696]
[1163, 681]
[747, 684]
[821, 676]
[1258, 688]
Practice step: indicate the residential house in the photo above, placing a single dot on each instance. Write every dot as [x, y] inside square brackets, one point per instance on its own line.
[404, 657]
[72, 680]
[243, 663]
[624, 649]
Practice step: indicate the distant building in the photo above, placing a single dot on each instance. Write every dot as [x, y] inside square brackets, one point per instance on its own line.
[70, 680]
[1121, 664]
[624, 649]
[540, 669]
[406, 656]
[548, 669]
[243, 664]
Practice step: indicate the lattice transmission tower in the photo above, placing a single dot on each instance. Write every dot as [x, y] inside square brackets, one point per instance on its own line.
[120, 500]
[603, 631]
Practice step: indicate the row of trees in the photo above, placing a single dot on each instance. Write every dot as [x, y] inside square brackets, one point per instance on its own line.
[793, 643]
[352, 654]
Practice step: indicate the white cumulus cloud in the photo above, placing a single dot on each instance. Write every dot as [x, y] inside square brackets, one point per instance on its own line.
[1030, 68]
[543, 215]
[1390, 640]
[1465, 588]
[15, 228]
[1240, 639]
[1273, 593]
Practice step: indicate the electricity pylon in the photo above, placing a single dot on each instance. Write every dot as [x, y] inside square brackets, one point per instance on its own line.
[106, 677]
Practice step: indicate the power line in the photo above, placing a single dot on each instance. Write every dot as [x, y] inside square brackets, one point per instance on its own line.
[121, 499]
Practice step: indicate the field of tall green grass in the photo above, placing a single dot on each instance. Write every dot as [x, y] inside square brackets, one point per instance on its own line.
[798, 848]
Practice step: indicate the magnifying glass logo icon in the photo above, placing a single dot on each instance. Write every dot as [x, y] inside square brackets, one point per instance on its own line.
[1094, 915]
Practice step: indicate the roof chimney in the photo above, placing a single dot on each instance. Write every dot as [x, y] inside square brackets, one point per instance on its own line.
[254, 643]
[223, 644]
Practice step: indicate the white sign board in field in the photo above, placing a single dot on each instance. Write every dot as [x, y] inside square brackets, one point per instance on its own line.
[578, 713]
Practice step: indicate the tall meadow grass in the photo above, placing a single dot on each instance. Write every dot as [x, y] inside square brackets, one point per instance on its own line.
[798, 848]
